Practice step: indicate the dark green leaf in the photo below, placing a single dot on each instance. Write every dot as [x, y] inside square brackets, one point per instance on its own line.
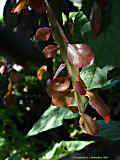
[51, 118]
[110, 131]
[95, 77]
[65, 147]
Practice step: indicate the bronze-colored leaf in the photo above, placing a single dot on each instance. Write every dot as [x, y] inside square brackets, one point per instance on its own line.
[96, 18]
[50, 51]
[80, 55]
[88, 124]
[43, 33]
[98, 104]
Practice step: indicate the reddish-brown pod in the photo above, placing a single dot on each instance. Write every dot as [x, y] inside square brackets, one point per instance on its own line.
[38, 5]
[98, 104]
[96, 18]
[60, 84]
[43, 33]
[88, 124]
[19, 6]
[80, 55]
[50, 51]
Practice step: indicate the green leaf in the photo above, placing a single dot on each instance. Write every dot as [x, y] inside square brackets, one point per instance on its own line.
[51, 118]
[63, 148]
[106, 45]
[95, 77]
[110, 131]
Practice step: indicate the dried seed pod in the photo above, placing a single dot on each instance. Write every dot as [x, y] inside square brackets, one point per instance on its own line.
[43, 33]
[80, 55]
[88, 124]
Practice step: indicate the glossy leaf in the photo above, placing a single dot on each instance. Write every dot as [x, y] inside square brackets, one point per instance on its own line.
[96, 18]
[40, 72]
[98, 104]
[63, 99]
[50, 51]
[38, 5]
[43, 33]
[51, 118]
[19, 6]
[64, 148]
[88, 124]
[80, 55]
[95, 77]
[60, 84]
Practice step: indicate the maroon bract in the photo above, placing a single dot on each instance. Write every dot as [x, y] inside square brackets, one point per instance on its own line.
[98, 104]
[73, 108]
[60, 84]
[43, 33]
[88, 124]
[80, 55]
[50, 51]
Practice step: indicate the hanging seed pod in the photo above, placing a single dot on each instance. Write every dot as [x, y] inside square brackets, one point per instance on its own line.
[43, 33]
[88, 124]
[80, 55]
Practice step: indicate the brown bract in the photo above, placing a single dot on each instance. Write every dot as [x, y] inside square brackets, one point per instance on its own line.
[80, 55]
[43, 33]
[88, 124]
[50, 51]
[98, 104]
[60, 84]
